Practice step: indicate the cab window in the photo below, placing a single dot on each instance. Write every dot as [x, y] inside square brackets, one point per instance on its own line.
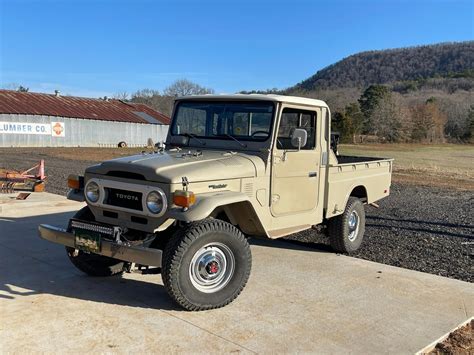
[295, 118]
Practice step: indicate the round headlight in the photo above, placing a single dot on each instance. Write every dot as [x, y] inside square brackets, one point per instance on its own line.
[92, 192]
[155, 202]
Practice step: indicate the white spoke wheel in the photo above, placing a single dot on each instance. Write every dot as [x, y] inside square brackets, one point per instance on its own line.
[353, 225]
[212, 267]
[206, 264]
[346, 231]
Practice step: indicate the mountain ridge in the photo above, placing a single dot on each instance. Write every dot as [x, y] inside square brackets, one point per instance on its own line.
[448, 59]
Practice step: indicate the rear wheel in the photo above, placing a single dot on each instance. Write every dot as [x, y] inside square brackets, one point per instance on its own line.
[89, 263]
[206, 265]
[346, 231]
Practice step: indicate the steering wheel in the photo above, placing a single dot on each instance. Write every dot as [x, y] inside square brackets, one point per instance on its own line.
[259, 132]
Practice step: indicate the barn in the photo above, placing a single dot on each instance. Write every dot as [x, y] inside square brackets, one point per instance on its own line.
[52, 120]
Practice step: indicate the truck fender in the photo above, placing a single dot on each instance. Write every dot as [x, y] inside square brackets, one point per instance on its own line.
[236, 205]
[356, 190]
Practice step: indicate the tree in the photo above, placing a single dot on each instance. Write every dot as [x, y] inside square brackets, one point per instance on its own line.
[123, 96]
[349, 122]
[369, 101]
[456, 107]
[184, 87]
[389, 119]
[428, 122]
[356, 118]
[154, 99]
[275, 91]
[470, 124]
[145, 93]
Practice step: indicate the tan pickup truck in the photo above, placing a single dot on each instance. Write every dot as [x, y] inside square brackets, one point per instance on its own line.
[232, 167]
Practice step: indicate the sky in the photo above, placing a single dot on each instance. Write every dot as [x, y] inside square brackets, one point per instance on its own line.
[95, 48]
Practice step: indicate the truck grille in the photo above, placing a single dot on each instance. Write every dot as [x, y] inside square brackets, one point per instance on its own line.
[123, 198]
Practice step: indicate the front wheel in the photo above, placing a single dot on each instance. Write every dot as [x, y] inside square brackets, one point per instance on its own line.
[346, 231]
[206, 265]
[89, 263]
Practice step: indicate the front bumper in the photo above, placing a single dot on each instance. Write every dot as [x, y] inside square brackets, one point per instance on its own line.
[134, 254]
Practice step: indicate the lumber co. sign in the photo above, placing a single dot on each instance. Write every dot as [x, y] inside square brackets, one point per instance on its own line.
[55, 129]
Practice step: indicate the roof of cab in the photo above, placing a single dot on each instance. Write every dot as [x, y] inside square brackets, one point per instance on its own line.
[259, 97]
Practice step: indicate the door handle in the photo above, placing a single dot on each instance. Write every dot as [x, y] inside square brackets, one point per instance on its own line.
[312, 174]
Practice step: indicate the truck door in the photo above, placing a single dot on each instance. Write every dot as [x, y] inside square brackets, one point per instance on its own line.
[295, 173]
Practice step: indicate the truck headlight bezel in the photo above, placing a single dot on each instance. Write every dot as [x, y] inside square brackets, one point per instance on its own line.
[92, 192]
[156, 202]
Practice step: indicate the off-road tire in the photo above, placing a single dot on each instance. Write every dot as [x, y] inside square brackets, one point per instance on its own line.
[181, 249]
[338, 228]
[93, 264]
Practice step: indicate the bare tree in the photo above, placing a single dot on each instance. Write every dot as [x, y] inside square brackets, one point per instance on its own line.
[145, 93]
[184, 87]
[428, 122]
[121, 96]
[390, 120]
[153, 99]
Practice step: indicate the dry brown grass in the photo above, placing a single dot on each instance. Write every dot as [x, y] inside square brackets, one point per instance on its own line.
[78, 154]
[444, 165]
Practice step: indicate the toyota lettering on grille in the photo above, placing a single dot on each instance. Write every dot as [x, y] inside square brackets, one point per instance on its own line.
[126, 197]
[123, 198]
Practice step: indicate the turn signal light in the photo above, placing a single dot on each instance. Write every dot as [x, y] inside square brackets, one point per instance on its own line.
[184, 198]
[75, 182]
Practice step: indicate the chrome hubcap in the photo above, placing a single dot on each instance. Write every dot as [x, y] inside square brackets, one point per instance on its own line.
[353, 224]
[212, 267]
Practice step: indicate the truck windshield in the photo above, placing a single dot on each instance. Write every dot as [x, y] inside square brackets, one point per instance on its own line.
[224, 120]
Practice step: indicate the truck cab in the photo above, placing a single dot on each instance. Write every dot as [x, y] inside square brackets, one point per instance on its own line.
[232, 167]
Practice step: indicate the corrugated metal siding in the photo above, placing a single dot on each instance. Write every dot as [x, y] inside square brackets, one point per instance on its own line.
[83, 133]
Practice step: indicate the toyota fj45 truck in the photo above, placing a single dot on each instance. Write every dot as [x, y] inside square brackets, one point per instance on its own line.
[232, 166]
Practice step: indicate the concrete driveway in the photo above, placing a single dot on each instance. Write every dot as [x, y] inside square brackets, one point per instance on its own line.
[298, 299]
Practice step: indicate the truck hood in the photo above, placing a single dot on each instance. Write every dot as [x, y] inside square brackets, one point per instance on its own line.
[171, 166]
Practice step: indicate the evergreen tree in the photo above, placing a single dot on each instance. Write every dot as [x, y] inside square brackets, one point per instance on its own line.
[369, 101]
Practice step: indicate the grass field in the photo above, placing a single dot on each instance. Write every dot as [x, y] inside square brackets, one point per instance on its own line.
[446, 165]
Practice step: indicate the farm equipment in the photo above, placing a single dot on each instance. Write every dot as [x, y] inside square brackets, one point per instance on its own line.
[11, 180]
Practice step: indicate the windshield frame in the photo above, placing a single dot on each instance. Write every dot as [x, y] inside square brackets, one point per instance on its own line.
[245, 139]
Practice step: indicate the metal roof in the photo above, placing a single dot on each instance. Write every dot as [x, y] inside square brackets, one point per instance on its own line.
[28, 103]
[259, 97]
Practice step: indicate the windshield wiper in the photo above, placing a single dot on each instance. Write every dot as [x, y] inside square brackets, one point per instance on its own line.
[192, 135]
[231, 137]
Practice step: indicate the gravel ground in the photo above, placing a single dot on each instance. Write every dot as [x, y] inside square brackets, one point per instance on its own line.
[421, 228]
[418, 228]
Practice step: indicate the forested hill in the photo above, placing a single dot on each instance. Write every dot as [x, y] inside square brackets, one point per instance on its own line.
[395, 65]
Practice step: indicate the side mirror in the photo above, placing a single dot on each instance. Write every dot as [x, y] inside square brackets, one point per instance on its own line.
[299, 138]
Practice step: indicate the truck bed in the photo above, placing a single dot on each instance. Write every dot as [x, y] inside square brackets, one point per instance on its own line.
[347, 159]
[369, 175]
